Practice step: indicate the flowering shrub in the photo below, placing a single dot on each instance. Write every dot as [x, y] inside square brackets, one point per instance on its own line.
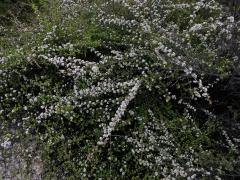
[112, 89]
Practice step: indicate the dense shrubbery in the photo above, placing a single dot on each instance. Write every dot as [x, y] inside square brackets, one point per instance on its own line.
[122, 90]
[18, 11]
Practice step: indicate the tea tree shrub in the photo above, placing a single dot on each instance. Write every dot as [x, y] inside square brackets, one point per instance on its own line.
[120, 89]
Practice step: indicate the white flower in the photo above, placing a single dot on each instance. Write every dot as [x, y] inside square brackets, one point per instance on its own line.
[196, 27]
[6, 143]
[95, 69]
[231, 19]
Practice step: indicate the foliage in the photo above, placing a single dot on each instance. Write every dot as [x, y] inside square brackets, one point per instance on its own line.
[17, 12]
